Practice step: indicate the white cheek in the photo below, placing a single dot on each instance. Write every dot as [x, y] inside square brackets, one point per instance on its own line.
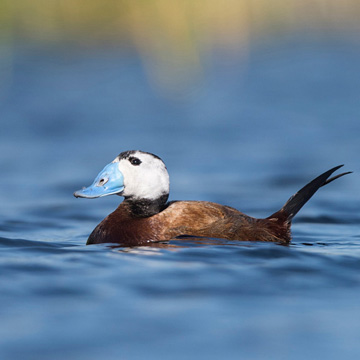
[129, 178]
[155, 183]
[144, 181]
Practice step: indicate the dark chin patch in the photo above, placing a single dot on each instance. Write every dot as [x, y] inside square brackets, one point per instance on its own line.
[146, 207]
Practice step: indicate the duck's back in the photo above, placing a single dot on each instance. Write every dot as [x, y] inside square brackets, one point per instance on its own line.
[200, 218]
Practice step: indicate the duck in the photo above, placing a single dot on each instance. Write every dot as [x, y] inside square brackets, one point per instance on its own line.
[146, 216]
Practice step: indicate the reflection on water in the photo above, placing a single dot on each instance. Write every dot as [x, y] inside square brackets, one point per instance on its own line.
[184, 242]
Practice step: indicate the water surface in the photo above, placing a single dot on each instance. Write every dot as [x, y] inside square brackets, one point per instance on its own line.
[249, 137]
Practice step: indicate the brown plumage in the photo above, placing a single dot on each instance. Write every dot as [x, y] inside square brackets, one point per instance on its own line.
[139, 221]
[193, 218]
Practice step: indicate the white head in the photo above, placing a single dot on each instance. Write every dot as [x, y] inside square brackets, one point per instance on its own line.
[145, 175]
[133, 174]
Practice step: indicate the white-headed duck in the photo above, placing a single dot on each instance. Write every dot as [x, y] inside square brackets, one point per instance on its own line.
[146, 216]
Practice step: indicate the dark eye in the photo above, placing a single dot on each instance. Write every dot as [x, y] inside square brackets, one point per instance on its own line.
[134, 161]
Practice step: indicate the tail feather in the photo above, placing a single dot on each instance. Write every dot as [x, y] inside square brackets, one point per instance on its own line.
[298, 200]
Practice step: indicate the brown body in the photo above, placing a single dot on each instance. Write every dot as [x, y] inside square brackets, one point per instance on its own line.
[193, 218]
[130, 227]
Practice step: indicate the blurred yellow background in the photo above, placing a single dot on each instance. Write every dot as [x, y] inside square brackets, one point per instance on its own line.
[172, 37]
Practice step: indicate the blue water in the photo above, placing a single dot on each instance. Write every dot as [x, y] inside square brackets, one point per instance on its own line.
[247, 135]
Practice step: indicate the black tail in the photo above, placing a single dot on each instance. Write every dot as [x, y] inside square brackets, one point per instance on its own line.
[298, 200]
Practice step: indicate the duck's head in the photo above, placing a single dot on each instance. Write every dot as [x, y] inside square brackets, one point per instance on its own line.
[135, 175]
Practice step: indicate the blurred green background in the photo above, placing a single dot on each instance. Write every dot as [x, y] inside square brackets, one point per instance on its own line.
[175, 39]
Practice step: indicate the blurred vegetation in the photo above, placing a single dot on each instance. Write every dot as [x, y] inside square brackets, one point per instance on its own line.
[170, 35]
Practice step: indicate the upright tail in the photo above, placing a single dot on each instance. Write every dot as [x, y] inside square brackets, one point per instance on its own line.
[298, 200]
